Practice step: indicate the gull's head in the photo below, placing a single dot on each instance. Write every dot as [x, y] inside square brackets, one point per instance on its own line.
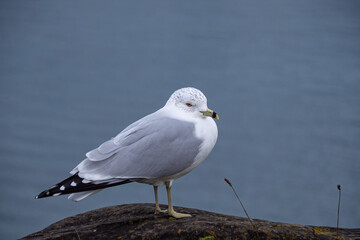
[191, 100]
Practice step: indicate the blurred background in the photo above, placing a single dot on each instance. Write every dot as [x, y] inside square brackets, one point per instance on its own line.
[284, 77]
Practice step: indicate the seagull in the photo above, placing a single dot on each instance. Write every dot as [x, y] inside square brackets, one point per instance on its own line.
[155, 150]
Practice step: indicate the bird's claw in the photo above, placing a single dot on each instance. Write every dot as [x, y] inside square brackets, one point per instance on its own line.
[159, 210]
[179, 215]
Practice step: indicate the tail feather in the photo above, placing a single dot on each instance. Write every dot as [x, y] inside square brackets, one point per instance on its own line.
[76, 184]
[81, 195]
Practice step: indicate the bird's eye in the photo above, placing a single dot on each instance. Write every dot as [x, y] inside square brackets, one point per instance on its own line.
[189, 104]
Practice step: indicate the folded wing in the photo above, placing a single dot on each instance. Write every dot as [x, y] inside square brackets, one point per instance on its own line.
[157, 147]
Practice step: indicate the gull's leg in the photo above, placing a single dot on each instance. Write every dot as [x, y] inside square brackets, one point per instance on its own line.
[157, 207]
[170, 207]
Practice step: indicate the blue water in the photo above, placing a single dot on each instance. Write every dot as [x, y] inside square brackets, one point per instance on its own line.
[284, 77]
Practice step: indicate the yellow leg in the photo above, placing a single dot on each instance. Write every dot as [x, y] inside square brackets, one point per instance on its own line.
[170, 207]
[157, 207]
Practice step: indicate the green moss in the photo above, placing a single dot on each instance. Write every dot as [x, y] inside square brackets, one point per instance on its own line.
[207, 238]
[277, 226]
[318, 230]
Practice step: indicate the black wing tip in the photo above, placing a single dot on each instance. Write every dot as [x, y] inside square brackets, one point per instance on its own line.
[39, 196]
[76, 184]
[44, 194]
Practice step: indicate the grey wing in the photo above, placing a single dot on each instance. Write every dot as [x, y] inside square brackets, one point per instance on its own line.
[156, 147]
[124, 138]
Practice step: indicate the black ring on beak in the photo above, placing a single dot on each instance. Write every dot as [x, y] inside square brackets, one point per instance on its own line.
[214, 115]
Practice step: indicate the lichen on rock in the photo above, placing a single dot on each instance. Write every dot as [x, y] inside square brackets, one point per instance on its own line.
[138, 221]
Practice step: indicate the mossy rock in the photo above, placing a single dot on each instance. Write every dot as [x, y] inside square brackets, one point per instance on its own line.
[138, 221]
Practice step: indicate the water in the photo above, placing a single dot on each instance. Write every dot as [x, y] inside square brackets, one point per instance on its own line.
[284, 77]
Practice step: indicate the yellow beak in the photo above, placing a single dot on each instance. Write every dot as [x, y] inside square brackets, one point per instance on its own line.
[210, 113]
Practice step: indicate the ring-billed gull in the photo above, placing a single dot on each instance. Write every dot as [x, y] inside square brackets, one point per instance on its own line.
[155, 150]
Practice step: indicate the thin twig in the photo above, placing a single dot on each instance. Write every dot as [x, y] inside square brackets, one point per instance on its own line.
[338, 213]
[77, 234]
[228, 182]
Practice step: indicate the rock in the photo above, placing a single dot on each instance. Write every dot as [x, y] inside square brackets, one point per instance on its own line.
[138, 221]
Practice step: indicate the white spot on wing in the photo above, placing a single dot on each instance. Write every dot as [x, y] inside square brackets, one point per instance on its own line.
[62, 188]
[56, 194]
[73, 184]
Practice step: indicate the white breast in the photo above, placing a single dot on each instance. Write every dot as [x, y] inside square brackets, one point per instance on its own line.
[206, 130]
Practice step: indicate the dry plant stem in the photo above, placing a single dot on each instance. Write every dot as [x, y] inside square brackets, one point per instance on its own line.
[77, 234]
[338, 213]
[228, 182]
